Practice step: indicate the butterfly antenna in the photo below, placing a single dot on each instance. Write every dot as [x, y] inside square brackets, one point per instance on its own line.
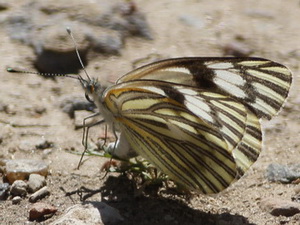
[12, 70]
[77, 51]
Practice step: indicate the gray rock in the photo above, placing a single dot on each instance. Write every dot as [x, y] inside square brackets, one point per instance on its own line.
[39, 194]
[20, 169]
[107, 42]
[90, 214]
[280, 207]
[4, 189]
[283, 173]
[35, 182]
[19, 188]
[72, 103]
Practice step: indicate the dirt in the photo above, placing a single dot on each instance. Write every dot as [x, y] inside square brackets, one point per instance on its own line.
[269, 28]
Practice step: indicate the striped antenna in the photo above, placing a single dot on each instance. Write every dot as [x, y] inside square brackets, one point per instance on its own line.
[77, 51]
[12, 70]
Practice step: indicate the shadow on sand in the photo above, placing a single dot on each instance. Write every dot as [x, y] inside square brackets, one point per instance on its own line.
[118, 192]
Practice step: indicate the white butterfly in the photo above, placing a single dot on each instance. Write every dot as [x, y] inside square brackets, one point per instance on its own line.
[195, 119]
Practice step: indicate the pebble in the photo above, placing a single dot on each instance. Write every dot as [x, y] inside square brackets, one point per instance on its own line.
[297, 189]
[25, 146]
[35, 182]
[4, 189]
[40, 110]
[20, 169]
[19, 188]
[296, 196]
[96, 213]
[192, 21]
[44, 144]
[283, 173]
[39, 194]
[280, 207]
[71, 104]
[40, 211]
[16, 200]
[237, 49]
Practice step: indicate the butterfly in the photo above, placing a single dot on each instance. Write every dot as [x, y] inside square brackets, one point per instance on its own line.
[195, 119]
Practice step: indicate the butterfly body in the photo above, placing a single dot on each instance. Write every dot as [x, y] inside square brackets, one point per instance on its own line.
[195, 119]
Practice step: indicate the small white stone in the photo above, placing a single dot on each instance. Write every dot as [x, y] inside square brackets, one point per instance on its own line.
[96, 213]
[36, 182]
[16, 200]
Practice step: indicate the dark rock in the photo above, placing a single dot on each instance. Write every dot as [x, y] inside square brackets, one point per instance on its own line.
[44, 144]
[283, 173]
[4, 189]
[40, 211]
[280, 207]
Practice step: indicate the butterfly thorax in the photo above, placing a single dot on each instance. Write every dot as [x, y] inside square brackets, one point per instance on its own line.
[95, 91]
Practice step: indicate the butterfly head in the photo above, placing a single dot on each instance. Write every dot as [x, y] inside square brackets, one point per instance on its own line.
[93, 89]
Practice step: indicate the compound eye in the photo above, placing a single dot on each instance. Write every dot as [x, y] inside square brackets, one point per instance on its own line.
[88, 98]
[92, 89]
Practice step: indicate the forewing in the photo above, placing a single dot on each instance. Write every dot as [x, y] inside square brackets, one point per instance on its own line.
[259, 83]
[188, 134]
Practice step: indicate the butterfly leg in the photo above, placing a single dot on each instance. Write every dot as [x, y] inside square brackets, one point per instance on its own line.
[86, 132]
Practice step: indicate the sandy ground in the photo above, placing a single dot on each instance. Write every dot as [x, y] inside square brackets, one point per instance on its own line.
[269, 28]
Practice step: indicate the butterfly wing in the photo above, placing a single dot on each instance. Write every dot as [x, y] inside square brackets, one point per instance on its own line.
[261, 84]
[200, 139]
